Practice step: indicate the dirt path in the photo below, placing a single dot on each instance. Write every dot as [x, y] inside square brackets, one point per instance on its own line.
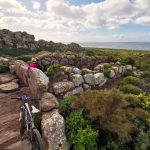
[9, 121]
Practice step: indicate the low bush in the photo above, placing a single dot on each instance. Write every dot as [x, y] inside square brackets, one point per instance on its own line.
[131, 80]
[132, 99]
[90, 53]
[145, 74]
[53, 70]
[86, 139]
[83, 72]
[144, 101]
[107, 66]
[3, 68]
[107, 72]
[65, 106]
[130, 89]
[24, 58]
[75, 122]
[37, 121]
[127, 61]
[105, 108]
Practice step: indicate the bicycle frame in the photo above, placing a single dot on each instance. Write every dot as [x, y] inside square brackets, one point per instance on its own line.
[28, 116]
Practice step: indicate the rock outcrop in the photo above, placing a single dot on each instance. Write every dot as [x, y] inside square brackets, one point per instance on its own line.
[71, 60]
[15, 40]
[53, 128]
[10, 39]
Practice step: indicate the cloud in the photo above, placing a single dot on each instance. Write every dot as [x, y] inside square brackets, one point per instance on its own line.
[109, 13]
[60, 16]
[36, 5]
[144, 20]
[13, 6]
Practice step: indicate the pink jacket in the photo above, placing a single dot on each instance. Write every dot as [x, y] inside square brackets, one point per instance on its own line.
[33, 65]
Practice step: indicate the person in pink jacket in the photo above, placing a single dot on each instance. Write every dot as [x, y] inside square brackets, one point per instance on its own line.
[34, 64]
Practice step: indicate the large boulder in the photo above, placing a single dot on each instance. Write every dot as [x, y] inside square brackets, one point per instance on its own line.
[38, 82]
[53, 128]
[99, 78]
[48, 102]
[77, 79]
[116, 69]
[76, 91]
[129, 67]
[89, 79]
[62, 87]
[99, 67]
[4, 61]
[5, 78]
[9, 87]
[112, 74]
[76, 71]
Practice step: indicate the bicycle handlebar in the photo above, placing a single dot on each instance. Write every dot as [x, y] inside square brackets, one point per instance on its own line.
[22, 97]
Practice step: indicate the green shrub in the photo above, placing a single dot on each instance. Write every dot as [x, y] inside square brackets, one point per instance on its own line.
[37, 121]
[144, 101]
[65, 106]
[90, 53]
[107, 66]
[86, 139]
[145, 74]
[130, 89]
[128, 61]
[53, 70]
[132, 99]
[105, 108]
[111, 59]
[107, 72]
[24, 58]
[131, 80]
[3, 68]
[83, 72]
[74, 122]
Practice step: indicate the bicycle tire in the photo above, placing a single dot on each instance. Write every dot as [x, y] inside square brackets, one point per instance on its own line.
[22, 124]
[36, 142]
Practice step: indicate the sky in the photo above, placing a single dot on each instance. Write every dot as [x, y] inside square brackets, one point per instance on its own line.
[79, 20]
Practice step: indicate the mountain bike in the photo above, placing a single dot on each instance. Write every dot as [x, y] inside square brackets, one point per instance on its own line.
[27, 124]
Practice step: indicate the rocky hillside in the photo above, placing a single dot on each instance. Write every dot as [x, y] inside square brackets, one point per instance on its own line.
[19, 39]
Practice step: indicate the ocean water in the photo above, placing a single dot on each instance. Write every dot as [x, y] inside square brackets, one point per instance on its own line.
[118, 45]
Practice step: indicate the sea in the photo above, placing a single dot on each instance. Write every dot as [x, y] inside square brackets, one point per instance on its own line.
[118, 45]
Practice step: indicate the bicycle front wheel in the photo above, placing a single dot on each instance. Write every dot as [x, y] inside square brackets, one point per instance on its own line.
[37, 143]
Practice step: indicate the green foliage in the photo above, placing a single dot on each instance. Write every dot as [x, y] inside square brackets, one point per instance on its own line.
[111, 59]
[112, 145]
[37, 121]
[3, 68]
[24, 58]
[106, 110]
[74, 122]
[132, 99]
[90, 53]
[65, 106]
[107, 72]
[107, 66]
[142, 141]
[127, 61]
[53, 70]
[83, 72]
[86, 139]
[142, 137]
[130, 89]
[145, 74]
[144, 101]
[131, 80]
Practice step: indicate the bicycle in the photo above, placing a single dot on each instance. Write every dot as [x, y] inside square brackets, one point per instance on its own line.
[27, 124]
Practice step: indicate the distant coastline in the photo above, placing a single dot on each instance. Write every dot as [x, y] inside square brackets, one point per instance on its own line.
[118, 45]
